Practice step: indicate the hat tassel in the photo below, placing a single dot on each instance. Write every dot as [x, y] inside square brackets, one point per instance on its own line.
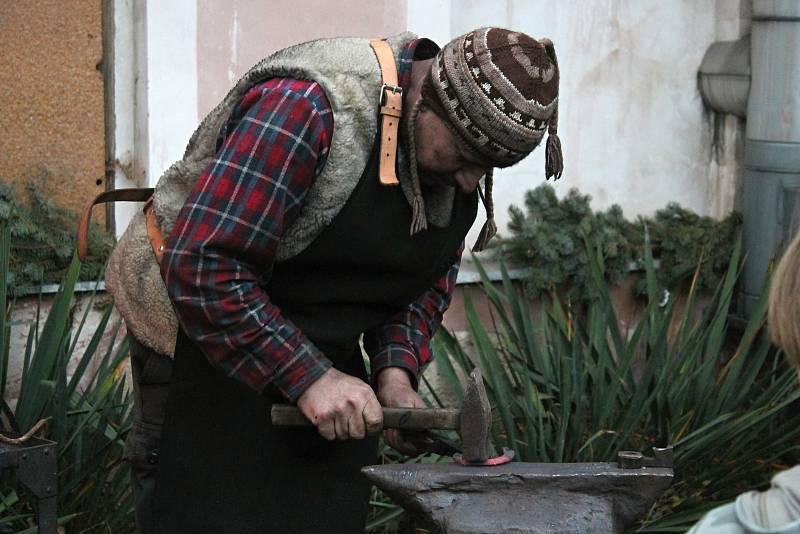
[554, 159]
[487, 233]
[419, 221]
[489, 229]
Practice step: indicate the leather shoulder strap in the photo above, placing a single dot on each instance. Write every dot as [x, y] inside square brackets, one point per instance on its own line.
[154, 234]
[391, 108]
[135, 195]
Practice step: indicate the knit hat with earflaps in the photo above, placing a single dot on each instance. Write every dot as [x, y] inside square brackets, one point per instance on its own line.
[497, 90]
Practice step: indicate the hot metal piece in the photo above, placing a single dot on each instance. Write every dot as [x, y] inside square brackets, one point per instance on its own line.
[507, 456]
[522, 497]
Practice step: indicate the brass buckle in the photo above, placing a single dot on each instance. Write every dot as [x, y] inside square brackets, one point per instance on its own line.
[393, 88]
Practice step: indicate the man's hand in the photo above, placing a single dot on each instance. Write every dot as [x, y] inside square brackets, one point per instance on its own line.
[395, 391]
[341, 406]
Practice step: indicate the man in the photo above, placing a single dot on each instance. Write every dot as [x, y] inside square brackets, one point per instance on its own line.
[283, 248]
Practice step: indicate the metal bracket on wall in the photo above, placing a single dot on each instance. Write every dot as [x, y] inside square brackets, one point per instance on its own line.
[36, 467]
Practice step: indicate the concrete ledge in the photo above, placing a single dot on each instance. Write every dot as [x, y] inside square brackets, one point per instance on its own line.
[50, 289]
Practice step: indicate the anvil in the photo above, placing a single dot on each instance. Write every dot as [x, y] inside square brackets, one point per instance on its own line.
[482, 494]
[522, 497]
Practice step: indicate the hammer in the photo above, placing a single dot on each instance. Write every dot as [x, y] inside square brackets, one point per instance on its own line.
[473, 421]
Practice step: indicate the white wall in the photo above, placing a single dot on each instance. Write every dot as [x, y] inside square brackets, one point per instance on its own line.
[166, 80]
[124, 65]
[155, 90]
[632, 124]
[631, 120]
[239, 33]
[171, 82]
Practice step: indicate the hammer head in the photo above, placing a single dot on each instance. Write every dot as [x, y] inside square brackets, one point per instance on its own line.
[476, 421]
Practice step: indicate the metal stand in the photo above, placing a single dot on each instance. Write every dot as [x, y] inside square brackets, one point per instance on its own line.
[36, 464]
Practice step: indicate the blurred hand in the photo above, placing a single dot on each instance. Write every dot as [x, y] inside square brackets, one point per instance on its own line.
[341, 406]
[395, 391]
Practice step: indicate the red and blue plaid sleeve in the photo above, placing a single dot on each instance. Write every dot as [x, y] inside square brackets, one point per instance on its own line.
[224, 241]
[405, 339]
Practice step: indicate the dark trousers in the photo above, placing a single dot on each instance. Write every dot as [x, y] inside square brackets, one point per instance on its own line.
[151, 379]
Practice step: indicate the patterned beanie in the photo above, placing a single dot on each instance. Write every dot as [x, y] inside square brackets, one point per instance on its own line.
[497, 90]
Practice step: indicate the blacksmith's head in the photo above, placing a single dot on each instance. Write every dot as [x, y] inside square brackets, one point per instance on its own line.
[484, 101]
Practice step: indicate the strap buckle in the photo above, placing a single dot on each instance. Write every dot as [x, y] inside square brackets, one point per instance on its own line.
[387, 86]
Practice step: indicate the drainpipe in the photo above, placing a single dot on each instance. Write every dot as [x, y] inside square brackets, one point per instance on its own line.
[771, 188]
[772, 147]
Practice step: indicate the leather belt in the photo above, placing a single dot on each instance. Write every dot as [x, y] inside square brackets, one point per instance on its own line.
[154, 234]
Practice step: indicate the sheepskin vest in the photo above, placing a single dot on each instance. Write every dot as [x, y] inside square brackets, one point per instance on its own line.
[348, 71]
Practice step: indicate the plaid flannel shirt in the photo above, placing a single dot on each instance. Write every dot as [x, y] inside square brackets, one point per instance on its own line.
[225, 239]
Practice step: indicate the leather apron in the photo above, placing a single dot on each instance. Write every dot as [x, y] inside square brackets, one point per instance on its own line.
[223, 467]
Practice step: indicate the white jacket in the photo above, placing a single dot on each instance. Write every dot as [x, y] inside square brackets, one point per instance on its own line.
[774, 511]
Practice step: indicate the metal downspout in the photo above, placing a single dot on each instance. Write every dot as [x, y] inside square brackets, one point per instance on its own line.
[771, 189]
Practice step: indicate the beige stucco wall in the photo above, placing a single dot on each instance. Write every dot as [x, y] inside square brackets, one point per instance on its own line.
[51, 97]
[232, 35]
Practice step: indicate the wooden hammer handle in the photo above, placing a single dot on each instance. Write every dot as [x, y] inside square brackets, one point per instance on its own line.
[402, 418]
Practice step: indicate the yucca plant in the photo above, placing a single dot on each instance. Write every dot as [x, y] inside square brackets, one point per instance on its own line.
[569, 386]
[88, 414]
